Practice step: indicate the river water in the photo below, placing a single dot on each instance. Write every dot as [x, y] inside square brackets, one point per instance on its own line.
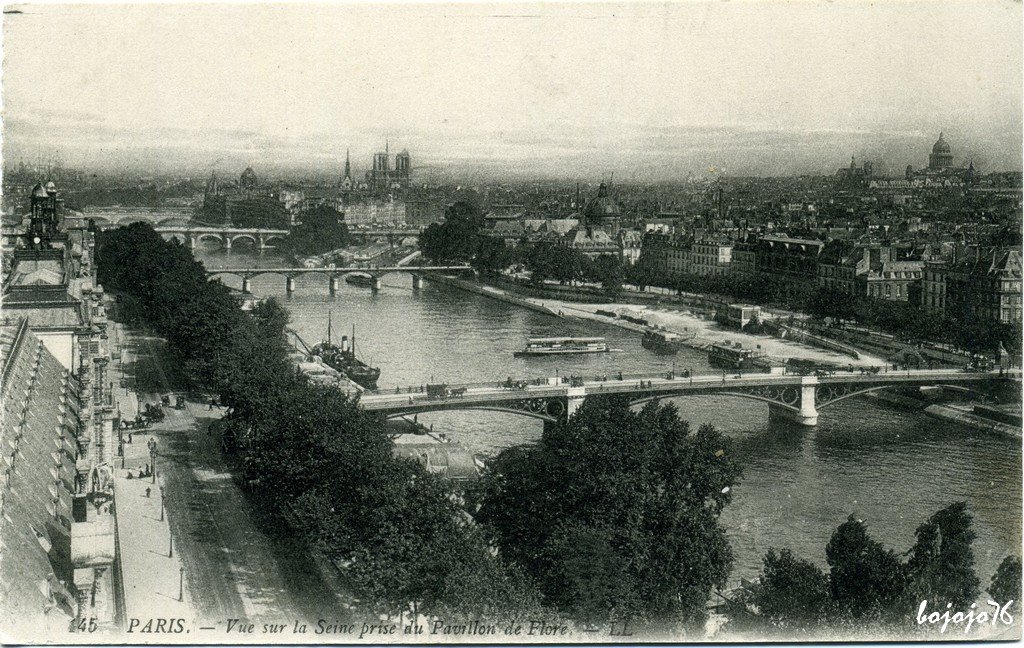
[889, 467]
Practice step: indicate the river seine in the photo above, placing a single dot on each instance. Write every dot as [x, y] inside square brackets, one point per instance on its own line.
[889, 467]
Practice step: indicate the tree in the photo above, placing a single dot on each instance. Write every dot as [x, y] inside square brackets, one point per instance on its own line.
[607, 269]
[1006, 582]
[322, 229]
[793, 593]
[492, 255]
[637, 494]
[456, 238]
[865, 580]
[588, 577]
[941, 564]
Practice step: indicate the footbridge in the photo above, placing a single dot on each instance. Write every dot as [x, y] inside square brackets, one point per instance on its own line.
[334, 275]
[261, 239]
[791, 397]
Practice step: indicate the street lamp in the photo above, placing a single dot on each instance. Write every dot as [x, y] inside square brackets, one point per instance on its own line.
[152, 458]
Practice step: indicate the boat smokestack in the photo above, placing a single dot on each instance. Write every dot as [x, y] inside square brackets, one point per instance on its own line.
[344, 343]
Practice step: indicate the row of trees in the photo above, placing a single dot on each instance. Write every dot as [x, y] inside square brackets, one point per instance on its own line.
[868, 584]
[308, 452]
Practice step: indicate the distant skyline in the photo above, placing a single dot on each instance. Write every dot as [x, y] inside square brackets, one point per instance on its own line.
[648, 91]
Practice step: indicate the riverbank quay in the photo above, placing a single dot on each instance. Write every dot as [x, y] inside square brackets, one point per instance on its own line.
[971, 415]
[492, 292]
[695, 324]
[965, 415]
[886, 346]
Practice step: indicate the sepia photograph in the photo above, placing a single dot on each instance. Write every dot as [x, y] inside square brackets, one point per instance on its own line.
[694, 321]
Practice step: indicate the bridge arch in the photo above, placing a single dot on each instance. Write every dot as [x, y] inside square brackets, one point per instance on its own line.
[272, 239]
[788, 397]
[539, 414]
[244, 275]
[823, 400]
[173, 221]
[175, 236]
[244, 237]
[210, 236]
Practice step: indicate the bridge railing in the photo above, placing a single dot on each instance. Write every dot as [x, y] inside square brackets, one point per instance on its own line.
[617, 378]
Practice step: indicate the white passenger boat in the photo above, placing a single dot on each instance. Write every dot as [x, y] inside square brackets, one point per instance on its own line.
[563, 346]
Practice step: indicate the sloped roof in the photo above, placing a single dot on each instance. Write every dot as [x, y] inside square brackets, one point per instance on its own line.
[38, 435]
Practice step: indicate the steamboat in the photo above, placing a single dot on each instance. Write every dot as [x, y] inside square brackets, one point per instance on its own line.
[343, 359]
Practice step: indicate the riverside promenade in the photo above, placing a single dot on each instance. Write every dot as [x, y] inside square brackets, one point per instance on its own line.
[154, 582]
[240, 562]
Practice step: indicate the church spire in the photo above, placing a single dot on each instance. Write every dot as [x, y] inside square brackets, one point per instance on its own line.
[348, 165]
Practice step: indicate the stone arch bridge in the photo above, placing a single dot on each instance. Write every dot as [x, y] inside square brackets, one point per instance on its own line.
[334, 275]
[789, 397]
[261, 239]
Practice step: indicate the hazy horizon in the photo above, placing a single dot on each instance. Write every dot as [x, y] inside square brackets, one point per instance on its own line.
[648, 91]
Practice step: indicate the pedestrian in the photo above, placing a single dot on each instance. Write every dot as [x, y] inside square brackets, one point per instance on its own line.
[129, 437]
[211, 406]
[147, 491]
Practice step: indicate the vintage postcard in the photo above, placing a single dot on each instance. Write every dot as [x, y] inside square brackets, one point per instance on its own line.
[511, 323]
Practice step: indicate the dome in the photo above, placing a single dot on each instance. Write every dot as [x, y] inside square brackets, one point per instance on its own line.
[51, 188]
[248, 179]
[38, 191]
[941, 145]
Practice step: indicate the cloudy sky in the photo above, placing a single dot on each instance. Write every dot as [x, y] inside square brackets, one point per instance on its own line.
[652, 91]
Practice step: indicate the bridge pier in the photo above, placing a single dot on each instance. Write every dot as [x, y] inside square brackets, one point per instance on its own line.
[417, 281]
[289, 284]
[192, 243]
[572, 403]
[334, 280]
[245, 285]
[574, 400]
[376, 285]
[227, 243]
[807, 415]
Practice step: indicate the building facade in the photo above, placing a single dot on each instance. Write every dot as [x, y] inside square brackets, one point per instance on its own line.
[59, 422]
[711, 257]
[789, 263]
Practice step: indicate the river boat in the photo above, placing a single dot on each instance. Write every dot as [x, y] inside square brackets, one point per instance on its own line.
[736, 358]
[563, 346]
[344, 360]
[438, 453]
[360, 279]
[663, 342]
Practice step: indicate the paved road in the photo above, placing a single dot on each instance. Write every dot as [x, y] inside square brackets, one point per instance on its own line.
[239, 562]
